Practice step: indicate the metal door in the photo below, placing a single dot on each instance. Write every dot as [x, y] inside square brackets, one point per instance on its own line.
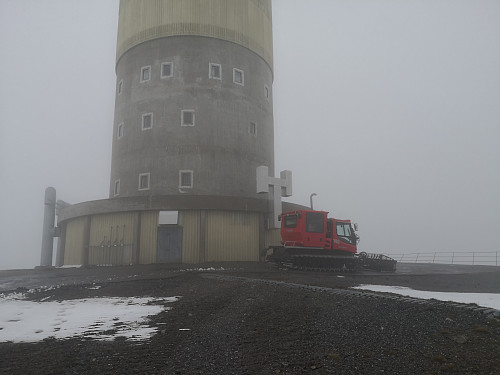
[169, 245]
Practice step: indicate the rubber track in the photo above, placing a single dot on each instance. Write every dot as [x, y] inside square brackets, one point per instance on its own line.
[289, 263]
[488, 311]
[326, 263]
[329, 263]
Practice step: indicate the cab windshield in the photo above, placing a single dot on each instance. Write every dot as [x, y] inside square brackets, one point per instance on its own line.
[345, 233]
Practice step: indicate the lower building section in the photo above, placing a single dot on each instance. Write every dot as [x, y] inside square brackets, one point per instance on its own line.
[128, 238]
[166, 230]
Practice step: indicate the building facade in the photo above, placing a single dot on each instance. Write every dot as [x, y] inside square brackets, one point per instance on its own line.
[193, 121]
[194, 106]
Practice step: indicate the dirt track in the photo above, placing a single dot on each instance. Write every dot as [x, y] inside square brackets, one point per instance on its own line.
[239, 326]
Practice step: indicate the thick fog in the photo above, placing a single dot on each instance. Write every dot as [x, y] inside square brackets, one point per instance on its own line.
[388, 110]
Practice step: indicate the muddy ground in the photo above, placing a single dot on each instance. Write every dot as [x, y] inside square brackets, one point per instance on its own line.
[241, 325]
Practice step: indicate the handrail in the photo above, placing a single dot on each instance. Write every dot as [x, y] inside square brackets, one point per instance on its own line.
[486, 258]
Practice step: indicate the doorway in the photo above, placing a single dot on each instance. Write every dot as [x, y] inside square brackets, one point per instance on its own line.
[169, 246]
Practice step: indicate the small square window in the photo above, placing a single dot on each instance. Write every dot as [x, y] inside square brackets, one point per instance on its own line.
[117, 188]
[120, 130]
[167, 69]
[147, 121]
[252, 128]
[238, 77]
[187, 117]
[215, 71]
[185, 179]
[120, 87]
[144, 181]
[145, 73]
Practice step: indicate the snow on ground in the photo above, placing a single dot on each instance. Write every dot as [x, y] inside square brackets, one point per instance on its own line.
[205, 269]
[491, 300]
[97, 318]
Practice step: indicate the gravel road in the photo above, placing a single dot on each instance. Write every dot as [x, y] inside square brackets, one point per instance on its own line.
[229, 321]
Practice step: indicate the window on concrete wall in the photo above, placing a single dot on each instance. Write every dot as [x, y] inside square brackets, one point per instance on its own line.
[185, 179]
[144, 181]
[116, 190]
[252, 128]
[120, 130]
[145, 73]
[267, 93]
[120, 87]
[238, 77]
[147, 121]
[167, 69]
[215, 71]
[187, 117]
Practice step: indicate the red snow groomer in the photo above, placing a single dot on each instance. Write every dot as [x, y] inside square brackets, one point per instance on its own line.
[311, 240]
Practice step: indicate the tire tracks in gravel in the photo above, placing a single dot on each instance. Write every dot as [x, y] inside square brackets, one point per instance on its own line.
[487, 311]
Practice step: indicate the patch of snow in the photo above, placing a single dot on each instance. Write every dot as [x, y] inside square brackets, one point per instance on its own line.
[97, 318]
[43, 289]
[206, 269]
[491, 300]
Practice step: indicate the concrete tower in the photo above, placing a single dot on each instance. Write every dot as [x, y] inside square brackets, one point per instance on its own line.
[194, 110]
[193, 121]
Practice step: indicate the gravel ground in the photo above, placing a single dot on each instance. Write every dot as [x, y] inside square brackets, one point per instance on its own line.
[240, 326]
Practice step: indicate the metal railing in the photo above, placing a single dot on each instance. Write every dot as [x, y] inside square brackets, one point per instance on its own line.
[485, 258]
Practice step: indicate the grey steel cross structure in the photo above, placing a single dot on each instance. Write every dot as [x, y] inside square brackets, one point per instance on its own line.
[281, 187]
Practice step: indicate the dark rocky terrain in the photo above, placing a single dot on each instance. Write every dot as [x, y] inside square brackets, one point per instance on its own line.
[239, 324]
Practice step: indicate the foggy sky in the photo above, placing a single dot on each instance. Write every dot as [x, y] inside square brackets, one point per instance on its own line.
[389, 110]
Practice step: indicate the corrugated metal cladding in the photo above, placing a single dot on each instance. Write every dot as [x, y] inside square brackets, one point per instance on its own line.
[190, 221]
[245, 22]
[73, 252]
[148, 237]
[112, 228]
[232, 236]
[112, 239]
[208, 236]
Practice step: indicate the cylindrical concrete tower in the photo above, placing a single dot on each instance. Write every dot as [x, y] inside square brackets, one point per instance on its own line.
[193, 121]
[194, 110]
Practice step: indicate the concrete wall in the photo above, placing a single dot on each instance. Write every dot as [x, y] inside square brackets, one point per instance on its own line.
[160, 203]
[219, 148]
